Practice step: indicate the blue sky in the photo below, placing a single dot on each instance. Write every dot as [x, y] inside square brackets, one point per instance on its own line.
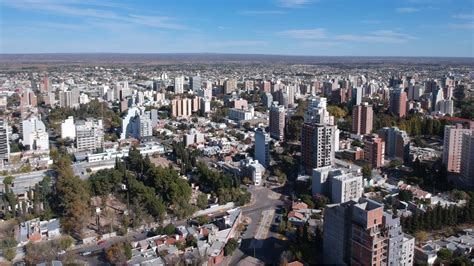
[292, 27]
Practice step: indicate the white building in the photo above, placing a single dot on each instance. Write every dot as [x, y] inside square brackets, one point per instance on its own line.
[254, 170]
[68, 129]
[194, 136]
[35, 136]
[340, 184]
[241, 114]
[407, 257]
[89, 134]
[145, 125]
[317, 112]
[179, 85]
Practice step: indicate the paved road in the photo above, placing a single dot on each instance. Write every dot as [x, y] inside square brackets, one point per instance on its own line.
[259, 240]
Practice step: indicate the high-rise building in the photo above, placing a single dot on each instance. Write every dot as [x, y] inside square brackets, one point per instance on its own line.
[266, 86]
[183, 108]
[145, 125]
[397, 142]
[398, 102]
[467, 159]
[4, 141]
[340, 185]
[195, 83]
[400, 246]
[262, 147]
[368, 239]
[452, 147]
[68, 129]
[317, 112]
[317, 145]
[230, 85]
[357, 94]
[362, 119]
[35, 136]
[179, 85]
[277, 121]
[360, 233]
[267, 99]
[318, 136]
[89, 134]
[374, 150]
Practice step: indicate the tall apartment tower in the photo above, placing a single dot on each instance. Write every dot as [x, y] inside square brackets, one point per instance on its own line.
[89, 134]
[452, 147]
[179, 85]
[230, 85]
[318, 136]
[467, 159]
[356, 233]
[195, 83]
[398, 102]
[374, 150]
[362, 119]
[4, 141]
[277, 121]
[397, 142]
[317, 146]
[262, 147]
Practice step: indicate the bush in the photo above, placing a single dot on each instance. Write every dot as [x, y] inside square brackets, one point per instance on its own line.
[230, 247]
[9, 254]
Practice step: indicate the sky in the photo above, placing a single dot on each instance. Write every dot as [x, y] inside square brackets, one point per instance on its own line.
[287, 27]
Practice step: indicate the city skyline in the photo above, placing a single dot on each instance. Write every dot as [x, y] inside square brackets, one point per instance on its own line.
[440, 28]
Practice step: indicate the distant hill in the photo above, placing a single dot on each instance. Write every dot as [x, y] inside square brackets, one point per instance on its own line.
[118, 58]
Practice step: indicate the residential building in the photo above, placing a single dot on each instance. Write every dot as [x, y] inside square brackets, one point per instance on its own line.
[254, 170]
[241, 114]
[68, 129]
[230, 85]
[145, 125]
[362, 119]
[340, 185]
[193, 137]
[4, 140]
[262, 147]
[374, 151]
[195, 83]
[398, 102]
[89, 134]
[179, 85]
[467, 159]
[277, 121]
[35, 136]
[317, 146]
[452, 147]
[397, 142]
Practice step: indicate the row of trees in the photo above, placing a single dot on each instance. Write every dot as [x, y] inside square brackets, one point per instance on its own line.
[439, 217]
[225, 187]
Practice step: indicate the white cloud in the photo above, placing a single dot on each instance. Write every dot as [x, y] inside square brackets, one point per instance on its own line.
[463, 26]
[293, 3]
[319, 35]
[381, 36]
[93, 11]
[405, 10]
[464, 16]
[261, 12]
[305, 34]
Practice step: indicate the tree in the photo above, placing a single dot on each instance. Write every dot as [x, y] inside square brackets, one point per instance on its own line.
[230, 247]
[72, 198]
[336, 111]
[366, 171]
[169, 229]
[405, 195]
[116, 254]
[201, 201]
[9, 253]
[444, 254]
